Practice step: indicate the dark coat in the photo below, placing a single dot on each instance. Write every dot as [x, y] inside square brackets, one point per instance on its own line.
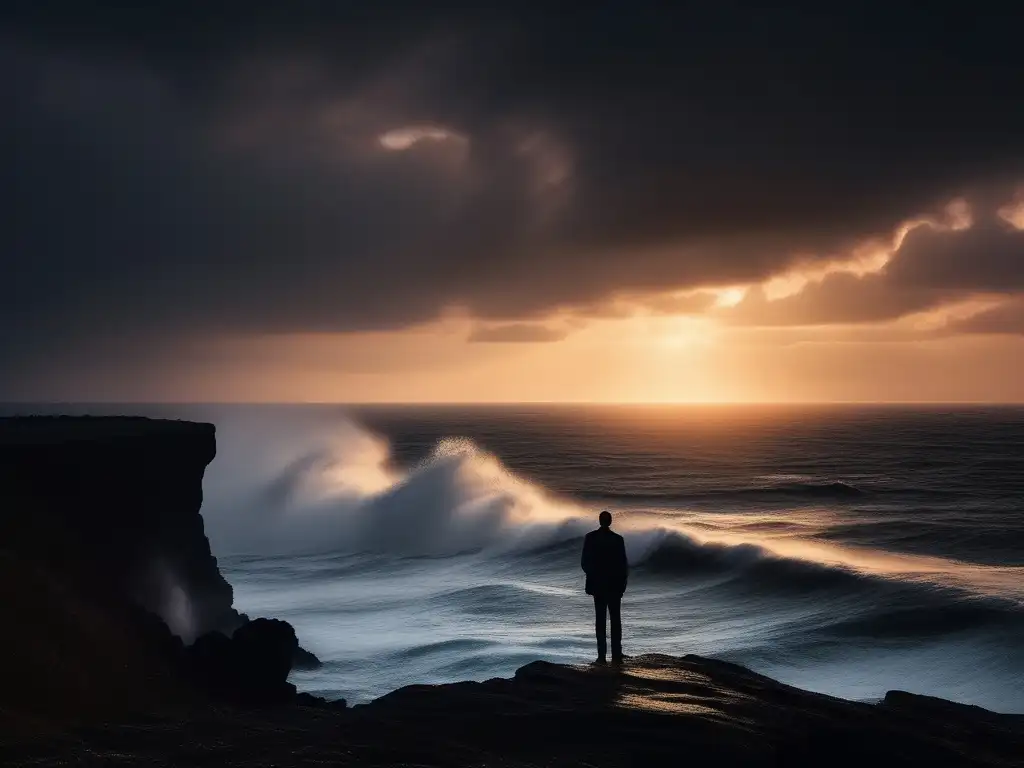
[604, 562]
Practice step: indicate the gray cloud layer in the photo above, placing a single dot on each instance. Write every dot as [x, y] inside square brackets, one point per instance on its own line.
[173, 170]
[1006, 318]
[931, 267]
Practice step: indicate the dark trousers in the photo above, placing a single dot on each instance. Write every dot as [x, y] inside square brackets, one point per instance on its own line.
[605, 605]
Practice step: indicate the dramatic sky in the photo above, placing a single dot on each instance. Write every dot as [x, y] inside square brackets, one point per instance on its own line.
[408, 201]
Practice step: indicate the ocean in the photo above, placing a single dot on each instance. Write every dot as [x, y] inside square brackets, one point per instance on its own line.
[843, 549]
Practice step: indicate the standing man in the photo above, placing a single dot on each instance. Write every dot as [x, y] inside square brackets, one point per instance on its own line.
[604, 562]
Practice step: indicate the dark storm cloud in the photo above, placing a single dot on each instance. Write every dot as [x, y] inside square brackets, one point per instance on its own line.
[1005, 318]
[987, 257]
[840, 298]
[932, 266]
[180, 168]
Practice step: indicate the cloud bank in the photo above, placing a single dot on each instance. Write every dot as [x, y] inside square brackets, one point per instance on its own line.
[177, 170]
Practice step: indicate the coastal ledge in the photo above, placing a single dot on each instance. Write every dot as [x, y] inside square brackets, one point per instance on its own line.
[654, 710]
[103, 554]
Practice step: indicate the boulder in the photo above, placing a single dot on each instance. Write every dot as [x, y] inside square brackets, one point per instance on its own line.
[263, 651]
[251, 667]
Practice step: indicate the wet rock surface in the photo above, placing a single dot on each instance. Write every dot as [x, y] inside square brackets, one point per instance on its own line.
[654, 710]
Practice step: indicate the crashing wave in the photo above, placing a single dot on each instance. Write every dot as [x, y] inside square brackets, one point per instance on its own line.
[336, 490]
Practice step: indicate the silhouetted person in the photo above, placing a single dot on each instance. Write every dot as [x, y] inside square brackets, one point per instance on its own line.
[604, 562]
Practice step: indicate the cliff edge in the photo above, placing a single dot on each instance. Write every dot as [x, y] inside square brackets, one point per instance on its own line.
[116, 502]
[106, 575]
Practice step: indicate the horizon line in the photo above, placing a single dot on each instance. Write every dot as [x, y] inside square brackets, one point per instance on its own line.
[465, 403]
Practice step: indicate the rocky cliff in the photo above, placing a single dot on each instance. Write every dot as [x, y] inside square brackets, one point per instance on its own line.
[106, 575]
[116, 501]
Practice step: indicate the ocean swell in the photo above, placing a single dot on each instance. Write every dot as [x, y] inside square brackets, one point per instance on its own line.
[339, 492]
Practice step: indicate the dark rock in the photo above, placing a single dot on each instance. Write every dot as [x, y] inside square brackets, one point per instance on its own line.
[315, 702]
[263, 650]
[308, 700]
[106, 571]
[251, 667]
[304, 659]
[124, 495]
[653, 710]
[211, 664]
[72, 653]
[155, 634]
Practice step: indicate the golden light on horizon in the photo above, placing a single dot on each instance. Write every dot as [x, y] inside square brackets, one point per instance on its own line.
[730, 297]
[680, 332]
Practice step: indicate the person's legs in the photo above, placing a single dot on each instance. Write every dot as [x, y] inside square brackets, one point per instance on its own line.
[614, 608]
[600, 611]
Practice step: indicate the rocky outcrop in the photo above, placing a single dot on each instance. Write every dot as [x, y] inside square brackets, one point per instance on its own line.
[106, 573]
[665, 710]
[117, 501]
[251, 667]
[654, 710]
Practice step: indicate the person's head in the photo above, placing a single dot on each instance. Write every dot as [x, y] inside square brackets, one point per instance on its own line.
[605, 519]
